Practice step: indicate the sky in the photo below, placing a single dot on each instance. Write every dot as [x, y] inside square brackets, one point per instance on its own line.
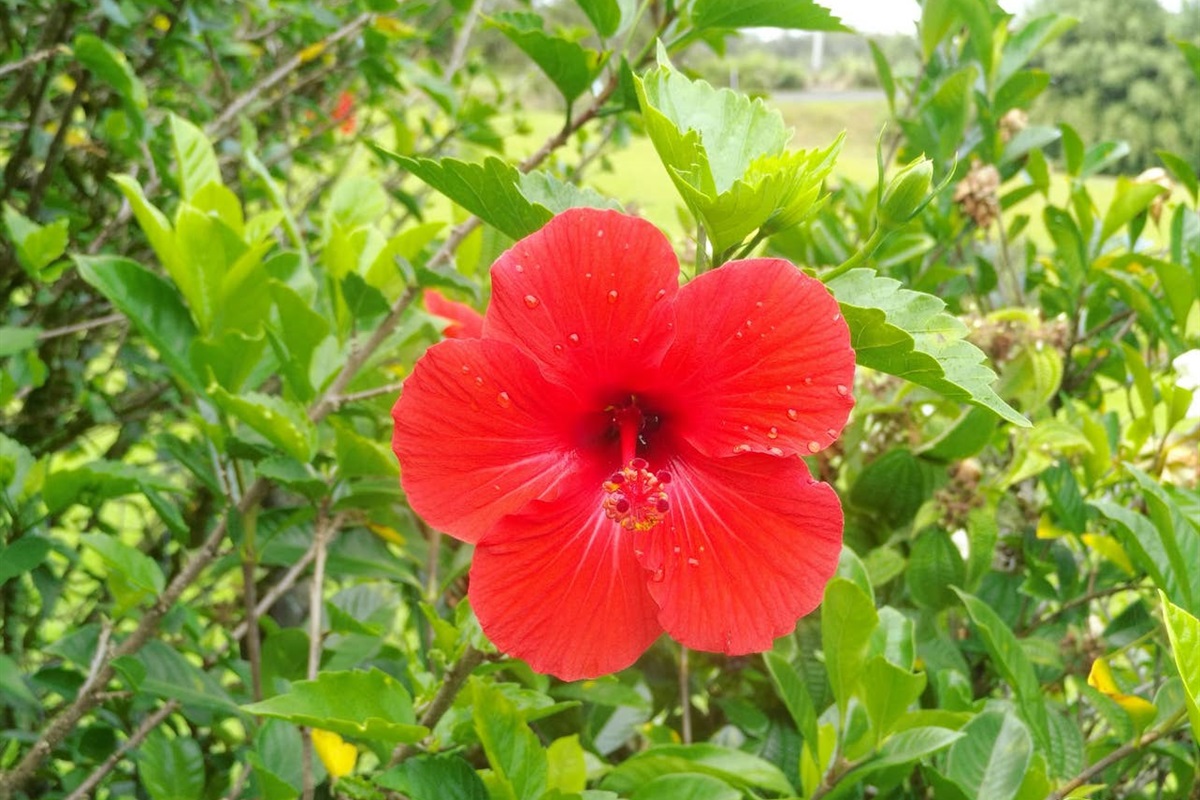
[898, 16]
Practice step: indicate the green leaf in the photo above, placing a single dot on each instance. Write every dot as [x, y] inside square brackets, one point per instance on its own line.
[1129, 200]
[891, 691]
[892, 487]
[1031, 38]
[37, 246]
[367, 705]
[153, 223]
[1014, 667]
[195, 161]
[171, 768]
[283, 423]
[567, 769]
[937, 22]
[513, 750]
[111, 68]
[490, 191]
[908, 334]
[907, 747]
[884, 70]
[609, 17]
[443, 777]
[790, 687]
[202, 263]
[738, 769]
[18, 340]
[1191, 52]
[1183, 631]
[94, 482]
[545, 190]
[12, 685]
[152, 305]
[848, 618]
[686, 787]
[569, 65]
[992, 758]
[21, 556]
[1155, 548]
[132, 576]
[1182, 171]
[800, 15]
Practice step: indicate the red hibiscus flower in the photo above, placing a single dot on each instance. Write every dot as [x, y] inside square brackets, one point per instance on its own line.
[343, 112]
[465, 322]
[625, 453]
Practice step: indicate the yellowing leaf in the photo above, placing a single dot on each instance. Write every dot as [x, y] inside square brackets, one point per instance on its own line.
[393, 27]
[1141, 711]
[1110, 548]
[1046, 529]
[311, 52]
[387, 534]
[338, 755]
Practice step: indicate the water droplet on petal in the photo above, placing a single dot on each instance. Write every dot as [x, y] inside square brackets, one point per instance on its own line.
[531, 301]
[573, 339]
[774, 451]
[831, 433]
[661, 294]
[836, 317]
[635, 340]
[701, 548]
[503, 400]
[587, 275]
[695, 562]
[814, 447]
[843, 390]
[759, 304]
[600, 233]
[746, 427]
[793, 414]
[749, 323]
[773, 433]
[466, 368]
[788, 387]
[738, 335]
[675, 549]
[518, 268]
[479, 381]
[558, 348]
[612, 296]
[657, 576]
[808, 381]
[741, 448]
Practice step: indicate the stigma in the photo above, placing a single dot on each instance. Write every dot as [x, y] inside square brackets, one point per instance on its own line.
[634, 496]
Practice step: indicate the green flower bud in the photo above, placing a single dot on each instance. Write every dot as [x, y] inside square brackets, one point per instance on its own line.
[906, 194]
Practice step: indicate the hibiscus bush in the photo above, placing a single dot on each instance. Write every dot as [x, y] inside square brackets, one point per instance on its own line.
[357, 444]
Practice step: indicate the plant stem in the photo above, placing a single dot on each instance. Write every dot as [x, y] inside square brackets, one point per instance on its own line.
[452, 683]
[685, 697]
[864, 252]
[1121, 752]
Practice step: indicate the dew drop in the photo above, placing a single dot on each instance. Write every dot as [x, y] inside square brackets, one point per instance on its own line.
[843, 389]
[531, 301]
[661, 294]
[836, 317]
[503, 400]
[741, 448]
[558, 348]
[773, 433]
[612, 296]
[695, 562]
[466, 368]
[759, 304]
[793, 414]
[496, 486]
[738, 335]
[749, 323]
[518, 268]
[639, 553]
[676, 549]
[774, 451]
[479, 381]
[831, 433]
[808, 381]
[670, 326]
[746, 427]
[701, 548]
[788, 387]
[657, 576]
[600, 233]
[635, 340]
[573, 339]
[814, 447]
[587, 275]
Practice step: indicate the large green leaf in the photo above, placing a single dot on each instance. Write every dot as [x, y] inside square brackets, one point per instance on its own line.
[686, 787]
[991, 759]
[790, 687]
[568, 64]
[1183, 630]
[909, 334]
[1155, 548]
[512, 749]
[152, 305]
[907, 747]
[802, 15]
[848, 618]
[1010, 660]
[734, 767]
[282, 422]
[609, 16]
[96, 481]
[110, 66]
[171, 767]
[22, 556]
[368, 705]
[890, 691]
[442, 777]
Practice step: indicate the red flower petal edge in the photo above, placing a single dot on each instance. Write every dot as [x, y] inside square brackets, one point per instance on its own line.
[625, 452]
[465, 322]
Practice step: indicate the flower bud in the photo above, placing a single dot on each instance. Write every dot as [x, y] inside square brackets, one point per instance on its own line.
[907, 193]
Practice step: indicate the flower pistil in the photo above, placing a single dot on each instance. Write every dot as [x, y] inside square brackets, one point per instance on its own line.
[634, 496]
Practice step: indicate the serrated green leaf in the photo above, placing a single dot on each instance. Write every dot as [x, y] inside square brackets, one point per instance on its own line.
[909, 334]
[547, 191]
[137, 568]
[21, 556]
[892, 487]
[195, 160]
[443, 777]
[934, 567]
[283, 423]
[1183, 631]
[490, 191]
[171, 768]
[800, 15]
[367, 705]
[37, 246]
[570, 66]
[609, 17]
[992, 757]
[848, 618]
[152, 305]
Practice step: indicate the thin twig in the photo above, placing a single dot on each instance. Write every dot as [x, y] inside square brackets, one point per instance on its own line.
[136, 738]
[79, 327]
[28, 61]
[452, 683]
[1121, 752]
[367, 394]
[685, 697]
[315, 600]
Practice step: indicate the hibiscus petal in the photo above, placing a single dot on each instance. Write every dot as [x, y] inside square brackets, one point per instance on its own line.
[763, 357]
[559, 586]
[746, 550]
[465, 322]
[479, 433]
[589, 297]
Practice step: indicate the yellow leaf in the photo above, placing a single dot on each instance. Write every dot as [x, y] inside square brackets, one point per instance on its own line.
[1046, 529]
[1110, 548]
[1141, 711]
[311, 52]
[338, 755]
[393, 27]
[387, 534]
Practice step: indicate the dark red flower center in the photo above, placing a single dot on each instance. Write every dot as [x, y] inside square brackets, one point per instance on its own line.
[634, 496]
